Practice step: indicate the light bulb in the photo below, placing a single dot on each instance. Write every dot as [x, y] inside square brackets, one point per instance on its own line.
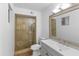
[56, 9]
[65, 6]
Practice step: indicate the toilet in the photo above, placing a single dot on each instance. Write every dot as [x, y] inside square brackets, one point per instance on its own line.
[36, 49]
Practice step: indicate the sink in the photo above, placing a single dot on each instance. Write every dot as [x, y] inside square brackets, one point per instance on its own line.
[62, 47]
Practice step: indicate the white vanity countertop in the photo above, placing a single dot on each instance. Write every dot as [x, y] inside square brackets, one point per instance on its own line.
[62, 49]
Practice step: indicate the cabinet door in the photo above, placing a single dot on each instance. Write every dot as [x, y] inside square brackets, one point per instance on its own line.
[48, 51]
[43, 51]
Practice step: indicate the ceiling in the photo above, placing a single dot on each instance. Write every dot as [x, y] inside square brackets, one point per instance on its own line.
[33, 6]
[36, 6]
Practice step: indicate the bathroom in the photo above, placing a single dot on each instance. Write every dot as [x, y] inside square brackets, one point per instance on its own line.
[39, 29]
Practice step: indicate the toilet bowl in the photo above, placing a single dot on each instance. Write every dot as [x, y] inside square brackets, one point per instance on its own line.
[36, 49]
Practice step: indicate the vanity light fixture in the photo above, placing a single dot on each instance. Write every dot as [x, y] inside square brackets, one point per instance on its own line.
[60, 7]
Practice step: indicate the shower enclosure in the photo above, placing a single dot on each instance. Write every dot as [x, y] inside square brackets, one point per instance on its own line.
[25, 31]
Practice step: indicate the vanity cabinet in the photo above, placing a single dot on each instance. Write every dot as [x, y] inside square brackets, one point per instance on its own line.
[52, 48]
[48, 51]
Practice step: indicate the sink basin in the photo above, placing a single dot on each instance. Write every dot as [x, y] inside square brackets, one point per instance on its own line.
[62, 47]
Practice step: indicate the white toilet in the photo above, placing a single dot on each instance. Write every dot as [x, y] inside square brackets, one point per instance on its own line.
[36, 49]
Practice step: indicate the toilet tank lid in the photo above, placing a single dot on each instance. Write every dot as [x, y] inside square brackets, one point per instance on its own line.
[35, 47]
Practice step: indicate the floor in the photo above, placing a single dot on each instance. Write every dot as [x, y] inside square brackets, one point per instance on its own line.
[24, 52]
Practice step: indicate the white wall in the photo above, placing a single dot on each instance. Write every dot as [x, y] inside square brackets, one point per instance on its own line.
[45, 20]
[3, 30]
[71, 31]
[6, 31]
[28, 13]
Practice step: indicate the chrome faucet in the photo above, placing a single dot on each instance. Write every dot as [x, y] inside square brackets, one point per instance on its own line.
[62, 41]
